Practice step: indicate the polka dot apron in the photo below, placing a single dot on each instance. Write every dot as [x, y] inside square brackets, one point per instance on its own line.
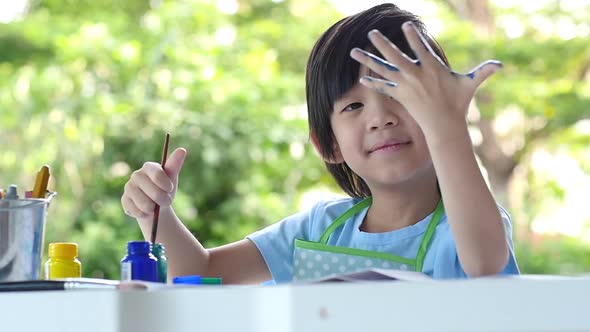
[317, 260]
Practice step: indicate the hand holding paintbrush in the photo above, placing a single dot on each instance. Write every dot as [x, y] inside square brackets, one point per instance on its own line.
[149, 193]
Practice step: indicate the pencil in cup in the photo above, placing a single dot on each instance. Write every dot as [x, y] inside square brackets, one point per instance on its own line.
[41, 181]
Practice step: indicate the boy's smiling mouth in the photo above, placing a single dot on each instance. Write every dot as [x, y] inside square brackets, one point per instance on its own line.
[389, 145]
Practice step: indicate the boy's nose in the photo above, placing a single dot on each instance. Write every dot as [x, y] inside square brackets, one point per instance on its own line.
[381, 114]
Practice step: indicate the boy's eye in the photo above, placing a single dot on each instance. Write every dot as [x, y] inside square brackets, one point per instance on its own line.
[352, 107]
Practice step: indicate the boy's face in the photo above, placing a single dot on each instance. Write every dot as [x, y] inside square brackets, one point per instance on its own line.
[378, 138]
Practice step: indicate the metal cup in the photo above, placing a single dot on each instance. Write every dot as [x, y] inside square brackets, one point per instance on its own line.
[22, 233]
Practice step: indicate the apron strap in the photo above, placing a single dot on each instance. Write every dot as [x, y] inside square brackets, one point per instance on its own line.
[358, 207]
[438, 212]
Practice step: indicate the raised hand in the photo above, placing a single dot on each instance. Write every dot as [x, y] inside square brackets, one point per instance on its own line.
[152, 185]
[426, 87]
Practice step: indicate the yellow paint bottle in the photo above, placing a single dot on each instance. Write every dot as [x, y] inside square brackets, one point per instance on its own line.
[63, 261]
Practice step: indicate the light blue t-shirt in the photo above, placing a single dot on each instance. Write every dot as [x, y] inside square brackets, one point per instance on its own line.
[275, 242]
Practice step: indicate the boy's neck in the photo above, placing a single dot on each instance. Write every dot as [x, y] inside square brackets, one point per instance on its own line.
[405, 206]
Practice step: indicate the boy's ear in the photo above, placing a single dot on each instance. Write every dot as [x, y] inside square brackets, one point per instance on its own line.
[336, 159]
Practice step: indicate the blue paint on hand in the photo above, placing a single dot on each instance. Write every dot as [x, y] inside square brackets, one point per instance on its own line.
[385, 64]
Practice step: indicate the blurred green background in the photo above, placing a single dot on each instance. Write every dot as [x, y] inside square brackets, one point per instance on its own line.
[90, 88]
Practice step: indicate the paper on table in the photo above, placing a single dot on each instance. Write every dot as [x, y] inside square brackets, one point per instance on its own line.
[377, 275]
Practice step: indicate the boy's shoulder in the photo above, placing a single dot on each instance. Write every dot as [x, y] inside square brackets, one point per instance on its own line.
[335, 204]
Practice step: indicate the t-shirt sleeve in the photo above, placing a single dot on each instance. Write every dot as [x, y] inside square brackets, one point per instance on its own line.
[511, 267]
[275, 243]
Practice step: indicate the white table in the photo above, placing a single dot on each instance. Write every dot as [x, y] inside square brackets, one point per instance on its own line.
[471, 305]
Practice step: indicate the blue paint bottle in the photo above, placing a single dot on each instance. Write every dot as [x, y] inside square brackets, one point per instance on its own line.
[139, 263]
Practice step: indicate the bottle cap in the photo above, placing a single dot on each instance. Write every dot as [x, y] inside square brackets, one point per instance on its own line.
[139, 247]
[187, 280]
[211, 281]
[63, 249]
[158, 249]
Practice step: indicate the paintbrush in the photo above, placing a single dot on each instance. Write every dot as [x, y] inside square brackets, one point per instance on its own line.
[157, 208]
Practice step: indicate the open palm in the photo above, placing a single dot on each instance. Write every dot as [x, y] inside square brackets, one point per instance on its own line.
[426, 87]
